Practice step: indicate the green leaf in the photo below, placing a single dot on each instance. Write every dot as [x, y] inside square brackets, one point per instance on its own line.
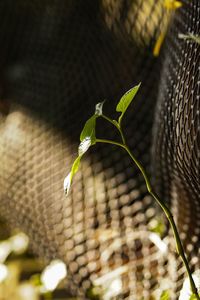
[87, 139]
[36, 280]
[89, 130]
[84, 146]
[126, 100]
[99, 108]
[75, 166]
[165, 295]
[69, 177]
[190, 36]
[157, 225]
[193, 297]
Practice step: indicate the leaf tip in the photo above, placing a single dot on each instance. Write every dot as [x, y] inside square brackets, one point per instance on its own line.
[99, 108]
[126, 100]
[67, 184]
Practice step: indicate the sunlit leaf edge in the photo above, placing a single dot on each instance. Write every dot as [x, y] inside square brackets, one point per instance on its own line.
[126, 100]
[89, 129]
[69, 177]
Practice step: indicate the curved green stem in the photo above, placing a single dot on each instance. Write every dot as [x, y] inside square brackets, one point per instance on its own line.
[122, 136]
[111, 121]
[117, 125]
[110, 142]
[166, 210]
[161, 203]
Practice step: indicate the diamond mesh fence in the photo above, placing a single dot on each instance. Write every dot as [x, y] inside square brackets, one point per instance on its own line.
[58, 59]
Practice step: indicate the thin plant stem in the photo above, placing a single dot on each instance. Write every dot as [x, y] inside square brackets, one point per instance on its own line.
[110, 142]
[166, 210]
[161, 203]
[116, 124]
[122, 136]
[110, 120]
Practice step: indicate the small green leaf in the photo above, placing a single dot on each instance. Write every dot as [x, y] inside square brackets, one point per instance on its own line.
[99, 108]
[89, 130]
[157, 225]
[75, 166]
[193, 297]
[36, 280]
[190, 36]
[116, 123]
[165, 295]
[69, 177]
[126, 100]
[87, 139]
[83, 147]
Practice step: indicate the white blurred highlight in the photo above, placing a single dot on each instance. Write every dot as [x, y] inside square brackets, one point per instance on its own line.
[53, 274]
[19, 243]
[3, 272]
[84, 146]
[67, 183]
[186, 292]
[5, 250]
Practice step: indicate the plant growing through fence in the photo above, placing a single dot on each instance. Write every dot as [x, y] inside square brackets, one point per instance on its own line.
[88, 138]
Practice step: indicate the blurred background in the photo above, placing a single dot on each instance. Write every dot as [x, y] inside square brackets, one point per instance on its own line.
[107, 239]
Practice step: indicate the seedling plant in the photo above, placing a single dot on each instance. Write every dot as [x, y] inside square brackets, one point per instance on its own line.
[88, 138]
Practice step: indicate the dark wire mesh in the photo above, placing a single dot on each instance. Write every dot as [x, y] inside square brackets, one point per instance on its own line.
[57, 61]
